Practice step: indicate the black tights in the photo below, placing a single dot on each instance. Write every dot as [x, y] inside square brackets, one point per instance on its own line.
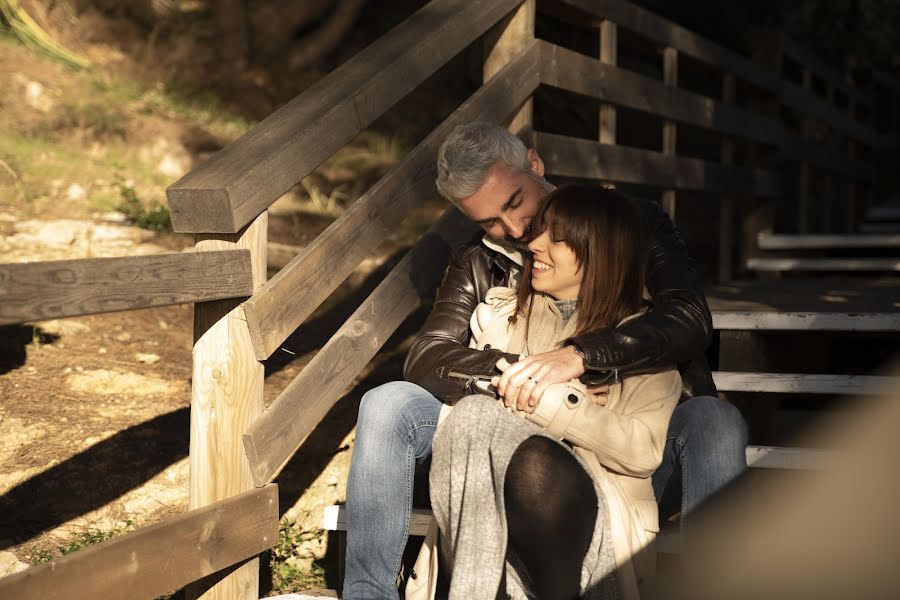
[551, 508]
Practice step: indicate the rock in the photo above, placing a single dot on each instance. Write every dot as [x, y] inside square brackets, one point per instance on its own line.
[10, 564]
[75, 192]
[123, 337]
[36, 98]
[146, 358]
[62, 327]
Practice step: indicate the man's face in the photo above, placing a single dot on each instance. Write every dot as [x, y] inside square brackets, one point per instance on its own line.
[506, 202]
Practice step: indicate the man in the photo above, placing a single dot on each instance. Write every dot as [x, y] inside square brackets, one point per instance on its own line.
[496, 181]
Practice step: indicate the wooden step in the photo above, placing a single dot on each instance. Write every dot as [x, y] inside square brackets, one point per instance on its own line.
[793, 383]
[805, 321]
[883, 212]
[881, 228]
[767, 240]
[823, 264]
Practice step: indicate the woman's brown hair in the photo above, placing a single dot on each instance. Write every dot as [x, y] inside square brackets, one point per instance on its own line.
[608, 233]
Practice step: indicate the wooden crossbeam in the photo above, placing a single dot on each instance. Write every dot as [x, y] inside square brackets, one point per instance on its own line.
[777, 241]
[823, 264]
[794, 383]
[239, 182]
[284, 302]
[159, 558]
[273, 438]
[806, 321]
[572, 157]
[70, 288]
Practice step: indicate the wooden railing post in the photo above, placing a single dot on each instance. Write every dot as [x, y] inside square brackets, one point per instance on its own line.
[609, 55]
[803, 193]
[226, 397]
[726, 202]
[670, 77]
[502, 44]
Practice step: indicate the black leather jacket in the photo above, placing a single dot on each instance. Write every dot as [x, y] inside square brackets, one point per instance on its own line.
[674, 333]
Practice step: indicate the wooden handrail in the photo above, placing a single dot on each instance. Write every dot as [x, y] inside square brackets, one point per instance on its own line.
[158, 558]
[584, 75]
[275, 436]
[573, 157]
[70, 288]
[284, 302]
[239, 182]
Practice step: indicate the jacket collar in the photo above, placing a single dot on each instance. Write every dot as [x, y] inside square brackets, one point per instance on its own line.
[504, 249]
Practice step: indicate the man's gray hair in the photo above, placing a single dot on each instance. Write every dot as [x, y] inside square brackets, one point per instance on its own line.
[469, 152]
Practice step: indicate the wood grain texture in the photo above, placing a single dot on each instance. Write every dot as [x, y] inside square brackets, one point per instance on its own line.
[778, 241]
[226, 396]
[240, 181]
[577, 73]
[502, 45]
[795, 383]
[726, 202]
[573, 157]
[272, 439]
[824, 264]
[159, 558]
[806, 321]
[70, 288]
[609, 55]
[279, 307]
[419, 520]
[670, 128]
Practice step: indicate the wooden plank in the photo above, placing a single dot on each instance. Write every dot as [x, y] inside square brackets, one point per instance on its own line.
[851, 295]
[226, 396]
[883, 228]
[777, 241]
[419, 520]
[773, 457]
[279, 307]
[811, 105]
[796, 147]
[823, 264]
[726, 202]
[811, 62]
[573, 157]
[240, 181]
[505, 42]
[806, 321]
[609, 55]
[273, 438]
[577, 73]
[666, 33]
[670, 129]
[793, 383]
[70, 288]
[883, 212]
[159, 558]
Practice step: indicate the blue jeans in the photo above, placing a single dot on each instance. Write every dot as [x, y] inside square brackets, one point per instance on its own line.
[705, 443]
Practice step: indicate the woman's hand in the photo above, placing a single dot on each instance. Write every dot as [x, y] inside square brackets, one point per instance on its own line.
[523, 383]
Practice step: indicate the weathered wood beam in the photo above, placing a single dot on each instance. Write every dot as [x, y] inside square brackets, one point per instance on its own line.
[282, 304]
[243, 179]
[805, 321]
[273, 438]
[158, 558]
[794, 383]
[70, 288]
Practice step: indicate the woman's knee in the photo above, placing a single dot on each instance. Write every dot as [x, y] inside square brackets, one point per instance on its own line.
[712, 420]
[387, 408]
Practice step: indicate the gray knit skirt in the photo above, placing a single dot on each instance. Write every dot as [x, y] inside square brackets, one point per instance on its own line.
[471, 452]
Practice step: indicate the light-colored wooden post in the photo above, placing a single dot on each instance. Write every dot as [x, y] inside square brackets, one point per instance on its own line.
[670, 77]
[803, 196]
[726, 202]
[502, 44]
[609, 55]
[226, 397]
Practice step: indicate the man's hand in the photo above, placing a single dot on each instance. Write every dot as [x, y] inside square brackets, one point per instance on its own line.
[523, 383]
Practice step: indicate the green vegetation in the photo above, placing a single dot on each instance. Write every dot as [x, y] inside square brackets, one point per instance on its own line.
[287, 557]
[82, 539]
[155, 218]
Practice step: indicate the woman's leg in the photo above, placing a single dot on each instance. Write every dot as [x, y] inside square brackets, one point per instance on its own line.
[551, 508]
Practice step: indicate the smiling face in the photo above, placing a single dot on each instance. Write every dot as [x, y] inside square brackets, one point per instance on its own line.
[507, 200]
[554, 267]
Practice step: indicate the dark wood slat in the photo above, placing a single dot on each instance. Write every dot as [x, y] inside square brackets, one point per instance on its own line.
[581, 74]
[572, 157]
[795, 383]
[820, 294]
[667, 33]
[284, 302]
[242, 180]
[827, 241]
[159, 558]
[796, 147]
[277, 434]
[813, 63]
[848, 265]
[801, 100]
[806, 321]
[71, 288]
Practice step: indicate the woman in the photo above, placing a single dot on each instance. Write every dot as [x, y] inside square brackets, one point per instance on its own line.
[506, 487]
